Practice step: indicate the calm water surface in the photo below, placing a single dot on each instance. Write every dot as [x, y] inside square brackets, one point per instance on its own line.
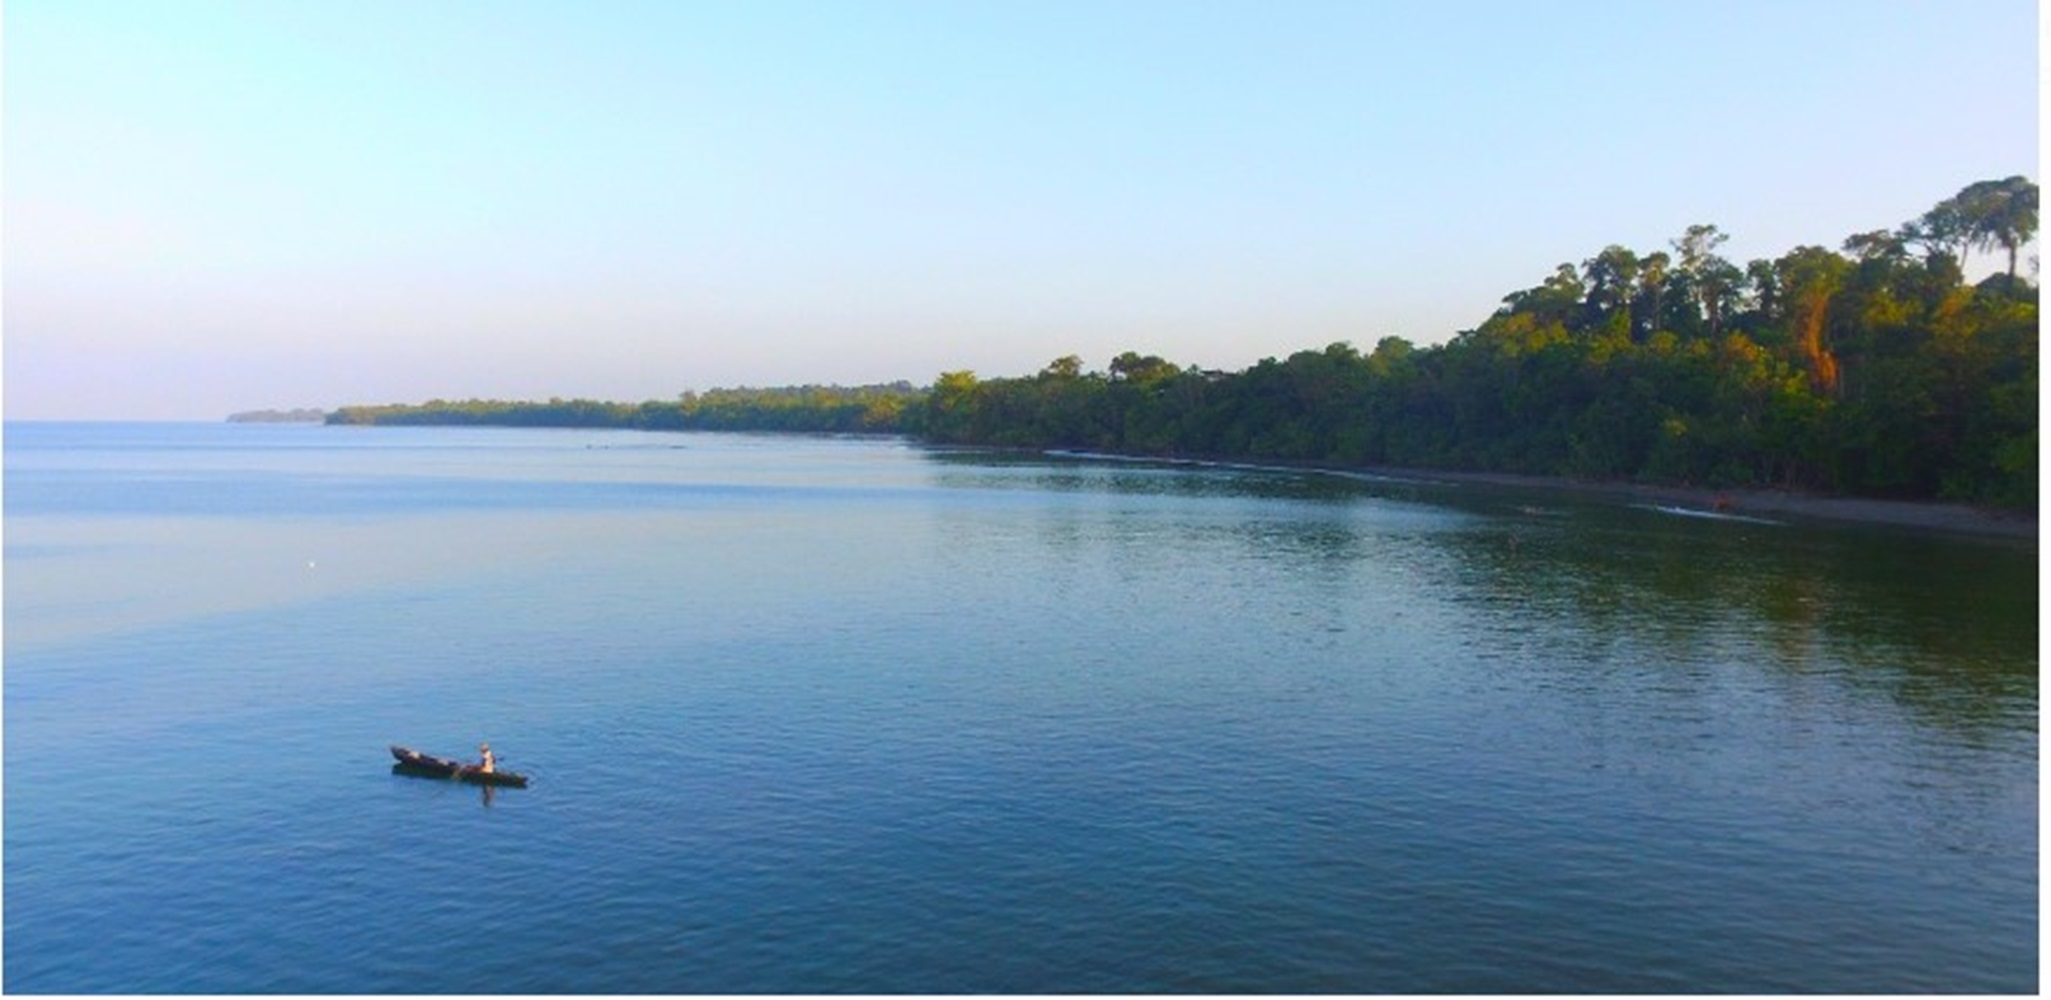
[823, 715]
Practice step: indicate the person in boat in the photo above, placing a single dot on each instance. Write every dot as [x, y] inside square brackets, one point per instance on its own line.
[489, 763]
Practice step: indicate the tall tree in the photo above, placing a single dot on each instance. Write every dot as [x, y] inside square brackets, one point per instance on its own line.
[1131, 367]
[2001, 214]
[1611, 278]
[1943, 231]
[1067, 366]
[1652, 278]
[1555, 301]
[1878, 246]
[1712, 279]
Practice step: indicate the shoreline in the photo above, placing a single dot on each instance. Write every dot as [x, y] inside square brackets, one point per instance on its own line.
[1918, 515]
[1931, 516]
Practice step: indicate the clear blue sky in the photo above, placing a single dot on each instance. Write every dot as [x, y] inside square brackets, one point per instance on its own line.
[213, 206]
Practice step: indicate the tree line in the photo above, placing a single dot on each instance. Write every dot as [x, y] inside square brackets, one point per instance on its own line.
[816, 409]
[1874, 369]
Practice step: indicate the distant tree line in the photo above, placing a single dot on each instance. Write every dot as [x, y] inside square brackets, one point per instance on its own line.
[1874, 370]
[817, 409]
[303, 415]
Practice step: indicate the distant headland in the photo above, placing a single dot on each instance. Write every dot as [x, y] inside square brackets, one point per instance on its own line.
[303, 415]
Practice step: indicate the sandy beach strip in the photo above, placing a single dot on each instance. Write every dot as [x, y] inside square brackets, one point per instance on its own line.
[1953, 518]
[1941, 517]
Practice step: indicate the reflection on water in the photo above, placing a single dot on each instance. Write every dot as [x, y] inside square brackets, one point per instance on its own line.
[847, 716]
[1946, 627]
[1959, 651]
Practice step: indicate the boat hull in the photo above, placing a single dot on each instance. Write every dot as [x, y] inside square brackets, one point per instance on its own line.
[416, 764]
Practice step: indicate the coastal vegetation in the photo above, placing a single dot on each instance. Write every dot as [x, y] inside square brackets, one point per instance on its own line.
[1873, 370]
[302, 415]
[816, 409]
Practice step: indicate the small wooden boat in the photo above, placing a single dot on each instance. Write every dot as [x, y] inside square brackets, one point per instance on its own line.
[422, 765]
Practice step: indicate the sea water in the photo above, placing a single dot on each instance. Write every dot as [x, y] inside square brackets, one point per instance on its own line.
[852, 715]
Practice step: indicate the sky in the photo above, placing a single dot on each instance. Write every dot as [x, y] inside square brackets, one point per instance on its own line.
[211, 206]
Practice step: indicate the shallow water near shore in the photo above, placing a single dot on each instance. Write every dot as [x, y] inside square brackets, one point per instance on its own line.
[852, 716]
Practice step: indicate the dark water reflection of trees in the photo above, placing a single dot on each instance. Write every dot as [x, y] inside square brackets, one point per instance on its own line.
[1944, 626]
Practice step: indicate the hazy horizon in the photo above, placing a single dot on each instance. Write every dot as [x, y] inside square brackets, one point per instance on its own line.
[223, 207]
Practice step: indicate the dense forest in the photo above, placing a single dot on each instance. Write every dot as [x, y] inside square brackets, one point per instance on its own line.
[1872, 370]
[817, 409]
